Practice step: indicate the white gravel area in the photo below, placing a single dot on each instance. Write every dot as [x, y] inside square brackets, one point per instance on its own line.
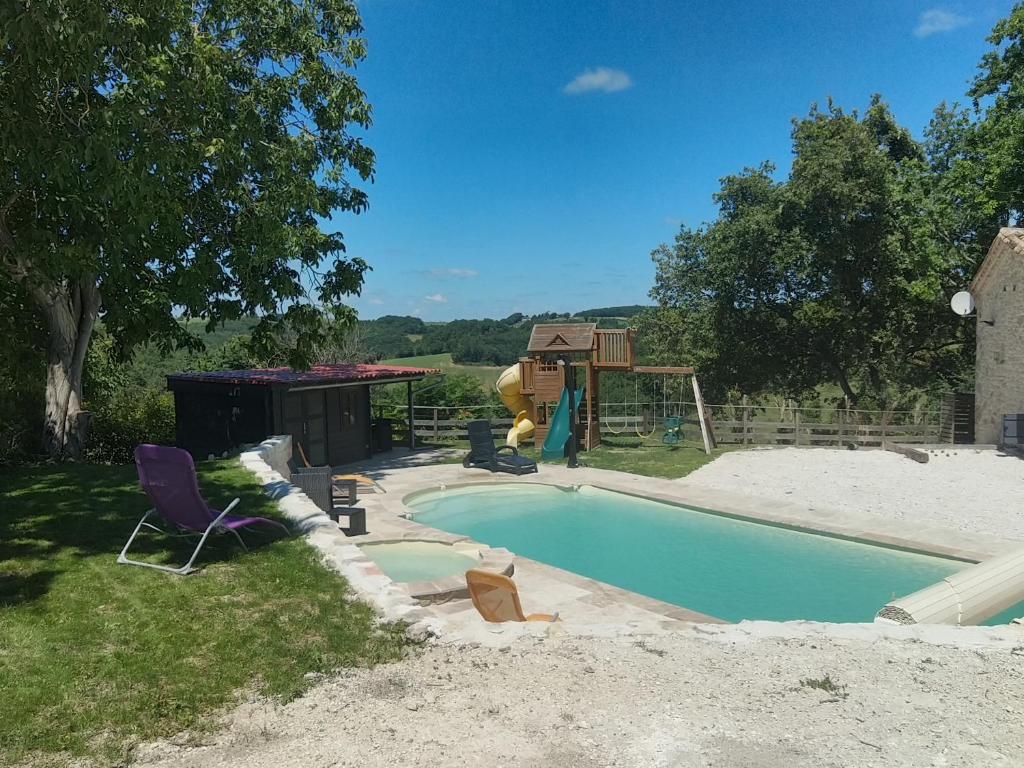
[681, 700]
[969, 490]
[753, 695]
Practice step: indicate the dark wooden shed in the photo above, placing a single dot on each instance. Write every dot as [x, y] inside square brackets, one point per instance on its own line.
[325, 409]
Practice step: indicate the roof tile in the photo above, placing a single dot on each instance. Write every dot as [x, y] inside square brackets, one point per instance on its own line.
[341, 373]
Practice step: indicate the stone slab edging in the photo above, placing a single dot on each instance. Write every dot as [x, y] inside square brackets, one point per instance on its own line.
[392, 603]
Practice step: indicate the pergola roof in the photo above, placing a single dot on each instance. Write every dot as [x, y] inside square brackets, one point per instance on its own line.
[318, 375]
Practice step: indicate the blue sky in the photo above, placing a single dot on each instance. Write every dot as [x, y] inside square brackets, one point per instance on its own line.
[530, 155]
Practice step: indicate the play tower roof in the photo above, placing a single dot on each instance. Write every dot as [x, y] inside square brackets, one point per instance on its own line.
[562, 337]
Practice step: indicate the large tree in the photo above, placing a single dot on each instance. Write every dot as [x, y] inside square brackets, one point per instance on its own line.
[832, 275]
[177, 158]
[998, 138]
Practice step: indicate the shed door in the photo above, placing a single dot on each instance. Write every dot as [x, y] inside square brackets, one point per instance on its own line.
[305, 419]
[350, 426]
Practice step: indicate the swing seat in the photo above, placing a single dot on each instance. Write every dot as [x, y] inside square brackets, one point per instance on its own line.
[670, 438]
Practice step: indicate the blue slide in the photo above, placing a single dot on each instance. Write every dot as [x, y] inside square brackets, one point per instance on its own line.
[558, 435]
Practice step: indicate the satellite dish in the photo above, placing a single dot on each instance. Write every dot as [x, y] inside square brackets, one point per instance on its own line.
[962, 303]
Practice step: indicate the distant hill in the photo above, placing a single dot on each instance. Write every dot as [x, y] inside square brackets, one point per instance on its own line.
[487, 342]
[460, 342]
[625, 312]
[149, 366]
[487, 375]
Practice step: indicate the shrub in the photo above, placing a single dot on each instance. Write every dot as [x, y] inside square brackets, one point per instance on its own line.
[127, 418]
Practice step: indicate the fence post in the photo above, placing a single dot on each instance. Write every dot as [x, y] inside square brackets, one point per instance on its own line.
[745, 418]
[796, 426]
[435, 425]
[844, 416]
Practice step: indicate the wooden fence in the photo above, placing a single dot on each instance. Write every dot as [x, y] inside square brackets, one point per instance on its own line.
[821, 435]
[733, 425]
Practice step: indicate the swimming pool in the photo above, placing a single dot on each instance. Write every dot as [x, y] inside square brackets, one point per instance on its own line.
[419, 560]
[717, 565]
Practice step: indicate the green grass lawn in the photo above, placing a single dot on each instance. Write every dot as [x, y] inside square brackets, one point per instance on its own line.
[629, 454]
[650, 458]
[96, 656]
[486, 374]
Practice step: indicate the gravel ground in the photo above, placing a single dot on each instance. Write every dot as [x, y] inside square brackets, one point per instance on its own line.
[681, 701]
[977, 491]
[746, 696]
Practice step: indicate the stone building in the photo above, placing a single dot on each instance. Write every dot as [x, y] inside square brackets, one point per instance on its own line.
[998, 291]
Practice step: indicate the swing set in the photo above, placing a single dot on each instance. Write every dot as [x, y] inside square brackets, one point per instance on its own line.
[644, 419]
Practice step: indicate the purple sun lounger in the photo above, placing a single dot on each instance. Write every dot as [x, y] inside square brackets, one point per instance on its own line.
[168, 477]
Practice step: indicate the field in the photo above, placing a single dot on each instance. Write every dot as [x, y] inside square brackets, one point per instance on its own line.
[486, 374]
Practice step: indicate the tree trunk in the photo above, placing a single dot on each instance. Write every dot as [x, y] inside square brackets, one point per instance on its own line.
[71, 310]
[844, 383]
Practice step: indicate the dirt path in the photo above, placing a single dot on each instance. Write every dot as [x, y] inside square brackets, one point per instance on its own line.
[681, 701]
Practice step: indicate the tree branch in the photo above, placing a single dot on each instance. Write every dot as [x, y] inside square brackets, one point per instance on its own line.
[6, 239]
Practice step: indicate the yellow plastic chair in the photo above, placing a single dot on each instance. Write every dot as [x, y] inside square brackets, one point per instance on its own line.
[496, 598]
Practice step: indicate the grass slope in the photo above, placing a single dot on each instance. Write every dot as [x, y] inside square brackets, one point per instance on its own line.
[486, 374]
[95, 656]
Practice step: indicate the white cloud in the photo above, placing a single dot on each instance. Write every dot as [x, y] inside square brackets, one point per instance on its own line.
[452, 272]
[600, 79]
[436, 298]
[936, 21]
[374, 300]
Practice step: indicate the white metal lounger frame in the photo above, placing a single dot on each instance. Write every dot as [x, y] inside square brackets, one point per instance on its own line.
[187, 567]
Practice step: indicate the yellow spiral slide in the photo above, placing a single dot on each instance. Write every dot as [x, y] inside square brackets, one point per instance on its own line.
[509, 386]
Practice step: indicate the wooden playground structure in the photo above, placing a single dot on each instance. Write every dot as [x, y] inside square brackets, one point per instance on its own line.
[534, 389]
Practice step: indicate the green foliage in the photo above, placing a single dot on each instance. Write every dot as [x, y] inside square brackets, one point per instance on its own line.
[129, 417]
[624, 312]
[842, 272]
[21, 371]
[630, 454]
[149, 366]
[997, 141]
[168, 159]
[235, 354]
[826, 684]
[836, 274]
[454, 390]
[486, 342]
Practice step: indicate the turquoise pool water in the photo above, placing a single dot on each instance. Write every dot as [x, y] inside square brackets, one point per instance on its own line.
[716, 565]
[418, 560]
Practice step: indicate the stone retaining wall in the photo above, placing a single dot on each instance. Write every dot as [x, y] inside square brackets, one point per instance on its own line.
[269, 462]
